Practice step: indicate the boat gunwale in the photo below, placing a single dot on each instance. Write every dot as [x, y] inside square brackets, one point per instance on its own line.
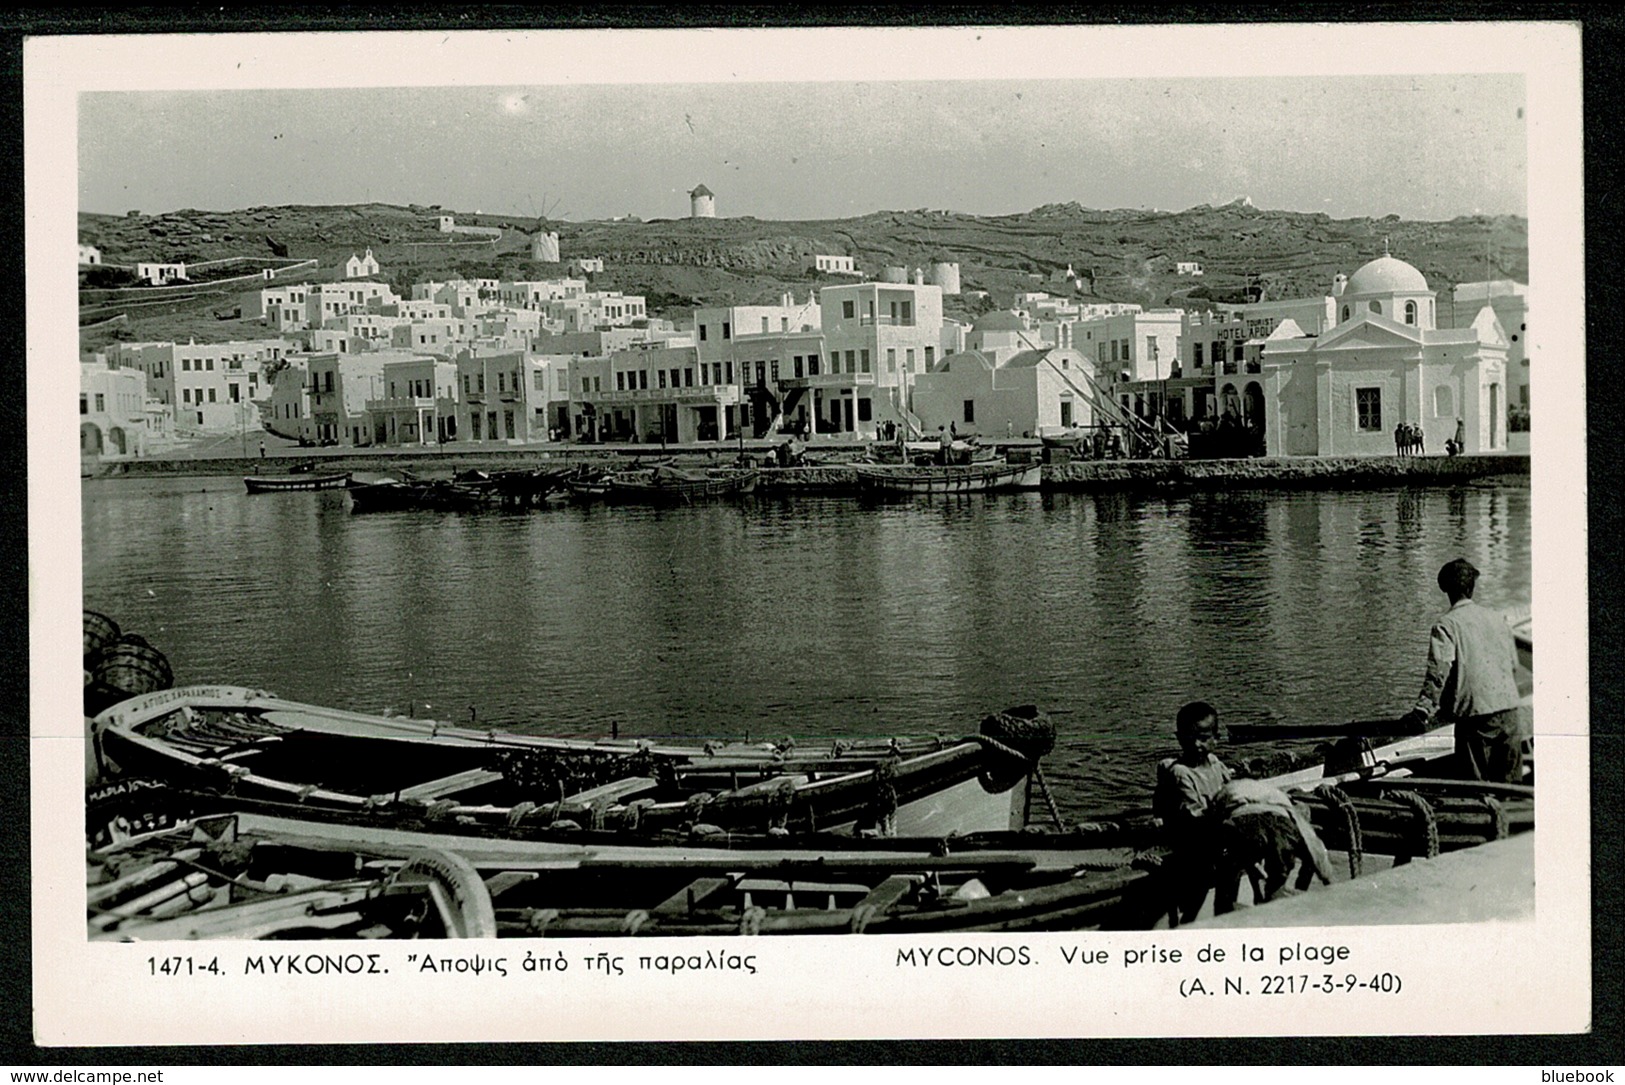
[131, 714]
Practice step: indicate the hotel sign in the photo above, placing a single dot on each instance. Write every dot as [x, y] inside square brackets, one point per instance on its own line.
[1252, 329]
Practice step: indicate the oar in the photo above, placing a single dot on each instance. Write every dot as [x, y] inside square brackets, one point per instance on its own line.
[1269, 732]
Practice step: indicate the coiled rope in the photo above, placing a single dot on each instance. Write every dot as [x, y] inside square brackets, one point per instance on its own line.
[1427, 843]
[1351, 823]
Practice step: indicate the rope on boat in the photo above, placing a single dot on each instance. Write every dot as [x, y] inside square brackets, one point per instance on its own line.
[751, 921]
[994, 744]
[437, 811]
[1498, 818]
[1427, 825]
[695, 806]
[634, 921]
[1351, 820]
[861, 915]
[518, 812]
[1049, 800]
[883, 801]
[634, 813]
[780, 801]
[537, 919]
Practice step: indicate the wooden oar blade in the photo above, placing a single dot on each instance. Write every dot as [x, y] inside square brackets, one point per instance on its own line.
[1273, 732]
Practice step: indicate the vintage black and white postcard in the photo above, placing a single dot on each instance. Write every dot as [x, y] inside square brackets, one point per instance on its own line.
[839, 533]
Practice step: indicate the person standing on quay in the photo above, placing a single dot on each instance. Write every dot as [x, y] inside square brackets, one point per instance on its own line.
[1472, 681]
[1399, 438]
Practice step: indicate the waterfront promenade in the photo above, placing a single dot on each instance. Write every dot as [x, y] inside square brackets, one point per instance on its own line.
[1298, 472]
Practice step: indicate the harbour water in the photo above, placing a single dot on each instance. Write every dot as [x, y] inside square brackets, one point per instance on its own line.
[813, 617]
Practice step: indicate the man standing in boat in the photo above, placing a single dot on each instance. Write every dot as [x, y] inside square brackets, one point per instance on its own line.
[1472, 682]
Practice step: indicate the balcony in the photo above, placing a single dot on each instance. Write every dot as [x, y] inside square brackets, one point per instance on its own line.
[829, 380]
[886, 321]
[402, 403]
[704, 395]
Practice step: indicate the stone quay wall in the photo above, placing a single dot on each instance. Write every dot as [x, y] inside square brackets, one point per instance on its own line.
[1304, 473]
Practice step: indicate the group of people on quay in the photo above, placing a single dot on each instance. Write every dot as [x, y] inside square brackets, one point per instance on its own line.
[1219, 828]
[1410, 441]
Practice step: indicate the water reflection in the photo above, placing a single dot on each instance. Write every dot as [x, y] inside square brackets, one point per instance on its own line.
[814, 616]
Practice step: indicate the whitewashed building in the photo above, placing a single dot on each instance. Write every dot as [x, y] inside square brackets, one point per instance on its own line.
[1028, 393]
[418, 405]
[1385, 363]
[360, 267]
[112, 411]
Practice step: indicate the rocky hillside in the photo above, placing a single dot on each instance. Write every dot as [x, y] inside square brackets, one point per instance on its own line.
[1126, 255]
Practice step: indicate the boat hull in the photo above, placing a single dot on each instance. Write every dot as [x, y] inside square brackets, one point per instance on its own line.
[223, 748]
[287, 483]
[954, 479]
[678, 491]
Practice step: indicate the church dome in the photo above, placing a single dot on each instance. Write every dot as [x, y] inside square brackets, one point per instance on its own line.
[1387, 275]
[998, 321]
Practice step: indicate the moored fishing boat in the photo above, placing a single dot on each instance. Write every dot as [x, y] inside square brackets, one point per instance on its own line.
[672, 486]
[202, 880]
[267, 484]
[392, 495]
[952, 479]
[220, 748]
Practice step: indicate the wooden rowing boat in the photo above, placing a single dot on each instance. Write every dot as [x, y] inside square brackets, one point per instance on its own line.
[220, 747]
[954, 479]
[670, 486]
[270, 484]
[391, 495]
[202, 881]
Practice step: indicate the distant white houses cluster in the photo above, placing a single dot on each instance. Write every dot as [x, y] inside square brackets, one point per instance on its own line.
[353, 363]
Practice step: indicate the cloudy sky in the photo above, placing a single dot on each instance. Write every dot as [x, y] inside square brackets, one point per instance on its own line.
[1423, 147]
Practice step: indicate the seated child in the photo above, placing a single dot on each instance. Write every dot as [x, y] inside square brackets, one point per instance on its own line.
[1187, 786]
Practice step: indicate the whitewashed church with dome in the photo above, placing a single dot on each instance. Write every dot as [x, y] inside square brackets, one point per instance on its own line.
[1382, 361]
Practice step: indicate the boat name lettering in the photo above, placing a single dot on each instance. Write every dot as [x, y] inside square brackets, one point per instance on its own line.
[699, 961]
[603, 963]
[122, 787]
[544, 963]
[475, 965]
[966, 956]
[315, 964]
[122, 714]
